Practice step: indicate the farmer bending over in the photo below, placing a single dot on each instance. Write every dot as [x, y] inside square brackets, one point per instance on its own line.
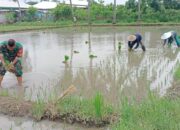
[135, 40]
[10, 59]
[170, 37]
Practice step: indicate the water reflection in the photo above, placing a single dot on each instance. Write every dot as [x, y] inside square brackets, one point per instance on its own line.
[113, 73]
[27, 65]
[27, 124]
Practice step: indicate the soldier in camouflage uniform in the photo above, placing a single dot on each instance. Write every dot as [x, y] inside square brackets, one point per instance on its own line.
[10, 59]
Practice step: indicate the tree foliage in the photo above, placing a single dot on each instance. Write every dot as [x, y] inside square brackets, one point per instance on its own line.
[151, 11]
[62, 12]
[31, 13]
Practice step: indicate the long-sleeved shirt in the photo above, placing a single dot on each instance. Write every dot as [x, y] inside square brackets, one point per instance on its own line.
[136, 41]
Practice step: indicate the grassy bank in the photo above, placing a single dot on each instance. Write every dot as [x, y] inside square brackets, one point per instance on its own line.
[25, 26]
[153, 113]
[71, 109]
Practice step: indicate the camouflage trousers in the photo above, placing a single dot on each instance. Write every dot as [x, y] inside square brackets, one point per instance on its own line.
[17, 69]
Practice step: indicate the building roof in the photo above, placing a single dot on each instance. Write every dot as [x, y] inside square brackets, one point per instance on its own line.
[31, 2]
[77, 3]
[45, 5]
[11, 4]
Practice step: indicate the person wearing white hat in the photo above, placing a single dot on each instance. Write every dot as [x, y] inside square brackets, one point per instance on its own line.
[135, 39]
[170, 37]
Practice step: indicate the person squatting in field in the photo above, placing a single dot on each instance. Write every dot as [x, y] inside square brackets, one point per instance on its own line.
[10, 59]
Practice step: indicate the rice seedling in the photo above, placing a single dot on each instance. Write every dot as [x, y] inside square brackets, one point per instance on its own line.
[92, 56]
[66, 58]
[98, 102]
[119, 45]
[38, 109]
[76, 51]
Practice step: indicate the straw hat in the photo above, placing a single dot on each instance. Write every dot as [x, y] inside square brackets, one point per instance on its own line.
[131, 38]
[166, 35]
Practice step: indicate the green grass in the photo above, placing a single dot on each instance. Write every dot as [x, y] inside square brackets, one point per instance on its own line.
[154, 113]
[177, 73]
[4, 92]
[98, 102]
[38, 109]
[24, 26]
[94, 108]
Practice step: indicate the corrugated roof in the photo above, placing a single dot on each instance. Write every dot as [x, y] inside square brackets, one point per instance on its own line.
[41, 5]
[77, 2]
[11, 4]
[45, 5]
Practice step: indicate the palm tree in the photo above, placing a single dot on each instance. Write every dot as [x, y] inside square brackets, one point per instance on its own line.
[20, 15]
[114, 14]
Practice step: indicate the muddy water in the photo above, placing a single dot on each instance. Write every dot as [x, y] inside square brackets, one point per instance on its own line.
[114, 73]
[12, 123]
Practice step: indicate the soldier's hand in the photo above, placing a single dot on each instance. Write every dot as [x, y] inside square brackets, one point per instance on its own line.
[11, 66]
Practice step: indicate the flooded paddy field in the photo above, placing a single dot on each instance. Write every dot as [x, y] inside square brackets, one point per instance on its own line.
[14, 123]
[115, 73]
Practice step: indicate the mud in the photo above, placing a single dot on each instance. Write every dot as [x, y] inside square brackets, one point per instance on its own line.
[116, 74]
[20, 108]
[174, 91]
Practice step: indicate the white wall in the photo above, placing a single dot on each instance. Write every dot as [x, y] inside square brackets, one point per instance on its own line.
[2, 17]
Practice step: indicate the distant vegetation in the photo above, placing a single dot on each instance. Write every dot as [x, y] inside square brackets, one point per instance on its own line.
[152, 11]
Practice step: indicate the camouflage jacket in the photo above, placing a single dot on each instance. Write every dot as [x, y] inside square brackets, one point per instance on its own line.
[11, 55]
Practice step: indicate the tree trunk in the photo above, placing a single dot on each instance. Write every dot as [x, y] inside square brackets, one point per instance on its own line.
[114, 13]
[89, 12]
[72, 12]
[20, 15]
[139, 10]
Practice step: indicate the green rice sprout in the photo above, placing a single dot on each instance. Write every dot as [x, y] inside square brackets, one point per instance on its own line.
[38, 109]
[92, 56]
[66, 58]
[76, 51]
[98, 102]
[119, 45]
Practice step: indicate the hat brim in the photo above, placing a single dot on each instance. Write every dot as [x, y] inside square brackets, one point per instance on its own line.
[166, 35]
[131, 38]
